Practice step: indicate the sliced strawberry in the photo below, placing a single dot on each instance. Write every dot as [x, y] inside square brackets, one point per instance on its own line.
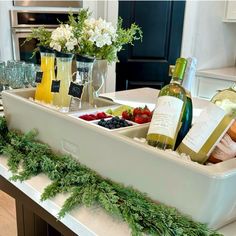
[101, 115]
[93, 116]
[86, 117]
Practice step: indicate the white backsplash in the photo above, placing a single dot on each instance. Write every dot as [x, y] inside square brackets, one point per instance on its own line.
[206, 37]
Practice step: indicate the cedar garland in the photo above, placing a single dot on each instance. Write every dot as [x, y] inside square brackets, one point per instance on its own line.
[88, 188]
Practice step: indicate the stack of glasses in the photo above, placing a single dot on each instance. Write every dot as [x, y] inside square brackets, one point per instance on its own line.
[17, 74]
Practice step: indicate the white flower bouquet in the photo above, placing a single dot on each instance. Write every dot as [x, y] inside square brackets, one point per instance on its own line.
[100, 39]
[98, 32]
[63, 39]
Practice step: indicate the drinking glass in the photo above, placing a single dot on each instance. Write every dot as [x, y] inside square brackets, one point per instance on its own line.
[15, 77]
[9, 75]
[2, 75]
[2, 64]
[30, 72]
[11, 63]
[2, 71]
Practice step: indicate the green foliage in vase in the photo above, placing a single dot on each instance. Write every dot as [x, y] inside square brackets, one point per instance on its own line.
[27, 157]
[42, 35]
[77, 21]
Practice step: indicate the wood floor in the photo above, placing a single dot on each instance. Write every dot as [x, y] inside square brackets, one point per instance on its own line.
[7, 215]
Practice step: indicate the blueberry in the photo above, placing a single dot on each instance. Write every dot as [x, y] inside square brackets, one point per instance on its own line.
[114, 123]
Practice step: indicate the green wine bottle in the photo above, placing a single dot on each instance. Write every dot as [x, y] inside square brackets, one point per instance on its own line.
[189, 75]
[166, 119]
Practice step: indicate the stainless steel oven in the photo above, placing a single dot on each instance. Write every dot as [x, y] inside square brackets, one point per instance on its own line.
[43, 3]
[22, 23]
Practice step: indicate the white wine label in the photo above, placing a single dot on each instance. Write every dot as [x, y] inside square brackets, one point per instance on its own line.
[204, 126]
[165, 119]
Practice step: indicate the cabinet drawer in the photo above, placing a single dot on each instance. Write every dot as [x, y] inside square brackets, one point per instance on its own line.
[207, 87]
[230, 13]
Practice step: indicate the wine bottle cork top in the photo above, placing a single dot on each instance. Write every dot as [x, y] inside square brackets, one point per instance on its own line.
[180, 68]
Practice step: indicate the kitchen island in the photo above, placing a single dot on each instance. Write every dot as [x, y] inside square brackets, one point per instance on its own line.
[208, 82]
[84, 221]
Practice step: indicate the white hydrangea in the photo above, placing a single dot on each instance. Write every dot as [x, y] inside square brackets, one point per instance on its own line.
[99, 32]
[63, 36]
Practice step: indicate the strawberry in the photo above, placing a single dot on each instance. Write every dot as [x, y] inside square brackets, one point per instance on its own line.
[146, 111]
[149, 119]
[137, 111]
[127, 115]
[140, 119]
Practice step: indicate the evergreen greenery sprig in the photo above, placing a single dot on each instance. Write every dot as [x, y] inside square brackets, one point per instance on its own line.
[27, 157]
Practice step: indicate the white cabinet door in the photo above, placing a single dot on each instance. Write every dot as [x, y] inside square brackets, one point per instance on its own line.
[230, 11]
[207, 87]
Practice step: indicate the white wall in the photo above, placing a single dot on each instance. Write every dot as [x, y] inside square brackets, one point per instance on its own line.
[206, 37]
[111, 15]
[5, 34]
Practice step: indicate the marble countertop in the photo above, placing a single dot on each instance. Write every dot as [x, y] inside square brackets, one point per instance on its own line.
[83, 221]
[94, 221]
[225, 73]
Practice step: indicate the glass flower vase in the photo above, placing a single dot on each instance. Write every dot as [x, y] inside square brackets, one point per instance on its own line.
[43, 88]
[60, 86]
[81, 89]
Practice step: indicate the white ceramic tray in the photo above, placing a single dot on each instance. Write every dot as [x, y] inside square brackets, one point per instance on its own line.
[206, 193]
[76, 115]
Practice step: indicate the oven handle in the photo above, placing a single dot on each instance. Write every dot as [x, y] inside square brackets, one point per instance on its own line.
[27, 30]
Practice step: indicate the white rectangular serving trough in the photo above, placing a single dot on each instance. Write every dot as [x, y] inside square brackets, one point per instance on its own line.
[207, 193]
